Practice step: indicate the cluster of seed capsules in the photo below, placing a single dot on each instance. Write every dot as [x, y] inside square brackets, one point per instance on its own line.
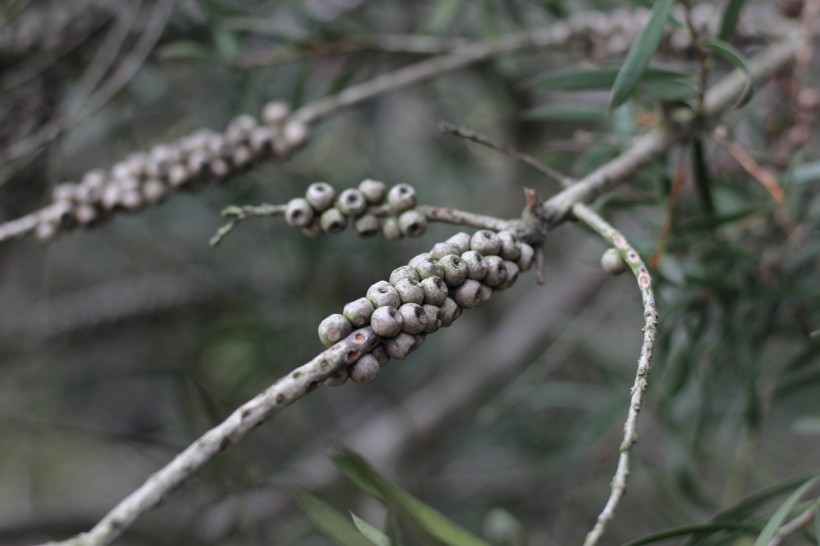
[427, 294]
[142, 179]
[370, 209]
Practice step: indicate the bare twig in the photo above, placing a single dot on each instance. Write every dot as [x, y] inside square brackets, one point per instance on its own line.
[239, 214]
[760, 173]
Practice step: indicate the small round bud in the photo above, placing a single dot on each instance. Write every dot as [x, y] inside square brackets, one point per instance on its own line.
[111, 197]
[333, 329]
[461, 241]
[476, 265]
[380, 353]
[441, 250]
[426, 266]
[612, 262]
[450, 311]
[526, 258]
[486, 294]
[455, 269]
[122, 170]
[299, 212]
[358, 312]
[412, 223]
[403, 272]
[333, 221]
[367, 225]
[153, 190]
[468, 295]
[64, 192]
[486, 242]
[414, 319]
[337, 378]
[260, 139]
[512, 275]
[131, 199]
[137, 164]
[197, 161]
[382, 294]
[373, 191]
[218, 167]
[496, 271]
[178, 175]
[509, 247]
[400, 346]
[433, 318]
[401, 197]
[410, 291]
[240, 128]
[241, 157]
[314, 230]
[320, 195]
[351, 202]
[365, 369]
[386, 322]
[85, 214]
[390, 229]
[275, 112]
[295, 133]
[435, 290]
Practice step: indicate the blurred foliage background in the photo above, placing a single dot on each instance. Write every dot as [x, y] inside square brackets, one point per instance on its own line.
[120, 345]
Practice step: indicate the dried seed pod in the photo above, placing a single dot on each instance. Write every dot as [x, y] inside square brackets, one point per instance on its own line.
[512, 275]
[476, 265]
[295, 133]
[333, 221]
[365, 369]
[390, 229]
[46, 231]
[373, 191]
[410, 291]
[218, 167]
[64, 192]
[401, 197]
[496, 271]
[414, 318]
[433, 318]
[333, 329]
[367, 225]
[178, 175]
[486, 242]
[351, 202]
[131, 199]
[337, 378]
[275, 112]
[260, 139]
[111, 197]
[241, 157]
[413, 223]
[450, 311]
[64, 211]
[299, 212]
[435, 290]
[240, 129]
[382, 294]
[400, 346]
[137, 164]
[386, 321]
[461, 240]
[313, 230]
[122, 170]
[468, 295]
[455, 269]
[509, 248]
[197, 162]
[380, 353]
[441, 250]
[153, 190]
[418, 339]
[90, 189]
[320, 195]
[526, 258]
[85, 214]
[403, 272]
[426, 266]
[486, 294]
[612, 262]
[358, 312]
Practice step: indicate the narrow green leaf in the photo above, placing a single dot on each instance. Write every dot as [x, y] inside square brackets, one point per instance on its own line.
[730, 17]
[735, 57]
[404, 504]
[332, 523]
[703, 529]
[577, 114]
[807, 172]
[701, 176]
[184, 49]
[580, 79]
[671, 91]
[640, 54]
[370, 532]
[782, 513]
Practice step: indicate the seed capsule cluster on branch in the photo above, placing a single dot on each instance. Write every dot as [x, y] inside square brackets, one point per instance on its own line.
[370, 208]
[428, 293]
[145, 178]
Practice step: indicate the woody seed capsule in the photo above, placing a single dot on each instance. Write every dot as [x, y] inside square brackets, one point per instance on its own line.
[240, 128]
[382, 294]
[390, 229]
[512, 275]
[433, 318]
[414, 319]
[450, 311]
[260, 139]
[435, 290]
[334, 328]
[358, 312]
[386, 321]
[380, 353]
[295, 133]
[153, 190]
[351, 202]
[476, 265]
[46, 231]
[85, 214]
[612, 262]
[64, 192]
[400, 346]
[410, 291]
[333, 221]
[197, 161]
[441, 250]
[337, 378]
[412, 223]
[299, 212]
[417, 341]
[468, 295]
[461, 241]
[367, 225]
[365, 369]
[403, 272]
[496, 271]
[526, 258]
[455, 269]
[178, 175]
[426, 266]
[401, 197]
[509, 248]
[275, 112]
[486, 294]
[313, 230]
[320, 195]
[486, 242]
[373, 191]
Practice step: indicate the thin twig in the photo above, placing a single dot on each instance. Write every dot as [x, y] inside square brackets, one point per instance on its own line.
[239, 214]
[760, 173]
[795, 525]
